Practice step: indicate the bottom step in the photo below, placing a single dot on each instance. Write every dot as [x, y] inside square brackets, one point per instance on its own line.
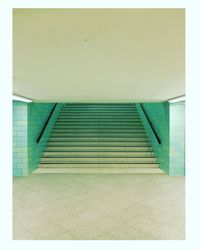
[86, 170]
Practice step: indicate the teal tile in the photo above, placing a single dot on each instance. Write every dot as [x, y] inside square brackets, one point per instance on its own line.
[169, 122]
[28, 120]
[158, 113]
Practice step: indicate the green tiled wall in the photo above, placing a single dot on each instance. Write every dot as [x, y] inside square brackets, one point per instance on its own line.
[37, 115]
[168, 120]
[169, 123]
[177, 138]
[20, 140]
[28, 121]
[158, 113]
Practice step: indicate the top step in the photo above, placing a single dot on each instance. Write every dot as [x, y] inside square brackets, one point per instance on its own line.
[98, 104]
[98, 108]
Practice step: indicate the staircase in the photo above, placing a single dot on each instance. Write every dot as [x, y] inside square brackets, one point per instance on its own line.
[98, 138]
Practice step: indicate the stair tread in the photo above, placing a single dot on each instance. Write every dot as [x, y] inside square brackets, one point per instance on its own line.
[105, 160]
[99, 165]
[97, 149]
[96, 144]
[97, 156]
[98, 170]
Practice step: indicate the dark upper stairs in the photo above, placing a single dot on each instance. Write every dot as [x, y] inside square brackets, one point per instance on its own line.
[98, 138]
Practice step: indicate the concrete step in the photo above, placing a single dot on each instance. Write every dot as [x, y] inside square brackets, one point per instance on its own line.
[98, 110]
[97, 119]
[98, 114]
[73, 143]
[98, 154]
[96, 160]
[98, 149]
[98, 126]
[100, 120]
[100, 139]
[107, 107]
[96, 130]
[98, 170]
[99, 135]
[98, 104]
[106, 112]
[99, 165]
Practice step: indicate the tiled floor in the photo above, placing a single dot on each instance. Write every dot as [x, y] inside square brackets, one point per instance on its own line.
[98, 207]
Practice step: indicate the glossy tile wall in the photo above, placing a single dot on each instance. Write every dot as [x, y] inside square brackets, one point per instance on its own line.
[28, 121]
[177, 138]
[20, 139]
[158, 113]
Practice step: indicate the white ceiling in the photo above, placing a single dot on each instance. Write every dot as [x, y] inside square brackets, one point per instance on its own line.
[98, 55]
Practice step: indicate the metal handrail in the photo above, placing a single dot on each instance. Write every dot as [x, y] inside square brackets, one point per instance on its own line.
[151, 124]
[46, 123]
